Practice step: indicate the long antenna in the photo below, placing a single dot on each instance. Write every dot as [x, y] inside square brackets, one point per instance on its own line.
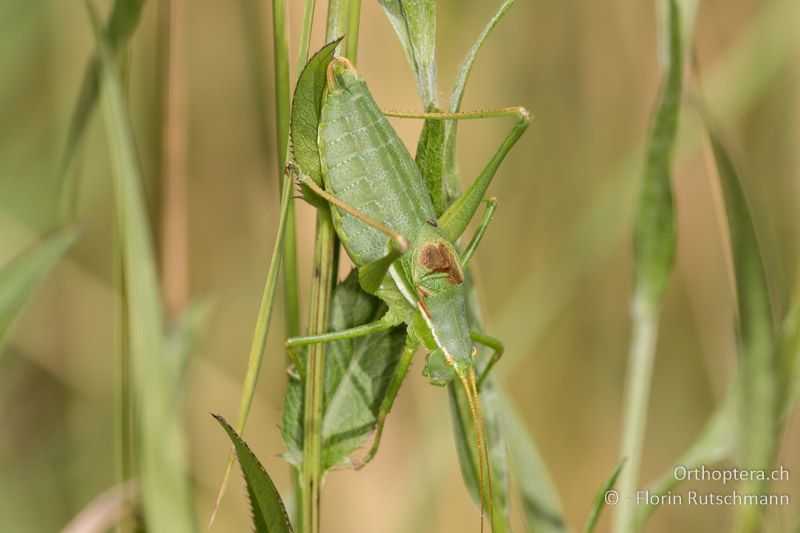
[485, 443]
[478, 439]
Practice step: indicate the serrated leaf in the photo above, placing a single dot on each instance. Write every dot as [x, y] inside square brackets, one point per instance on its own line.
[269, 513]
[600, 499]
[540, 502]
[357, 375]
[430, 159]
[306, 107]
[654, 232]
[414, 22]
[20, 278]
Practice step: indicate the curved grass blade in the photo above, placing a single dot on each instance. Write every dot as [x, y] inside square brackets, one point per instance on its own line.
[654, 245]
[600, 499]
[122, 22]
[414, 22]
[760, 382]
[269, 513]
[306, 106]
[162, 459]
[20, 278]
[540, 502]
[449, 163]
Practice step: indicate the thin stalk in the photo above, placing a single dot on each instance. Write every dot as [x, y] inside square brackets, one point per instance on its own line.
[637, 397]
[353, 20]
[325, 245]
[173, 250]
[259, 335]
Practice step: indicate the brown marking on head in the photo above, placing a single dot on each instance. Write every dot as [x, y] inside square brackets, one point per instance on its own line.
[439, 259]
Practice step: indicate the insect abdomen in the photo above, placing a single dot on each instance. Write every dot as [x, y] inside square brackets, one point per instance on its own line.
[366, 165]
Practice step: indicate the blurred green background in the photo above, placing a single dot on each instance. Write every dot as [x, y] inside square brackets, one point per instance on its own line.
[554, 271]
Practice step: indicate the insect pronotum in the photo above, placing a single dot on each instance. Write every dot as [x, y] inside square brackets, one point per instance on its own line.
[384, 216]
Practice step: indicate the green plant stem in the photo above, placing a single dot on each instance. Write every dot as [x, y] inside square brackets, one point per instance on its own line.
[637, 395]
[321, 288]
[353, 20]
[325, 245]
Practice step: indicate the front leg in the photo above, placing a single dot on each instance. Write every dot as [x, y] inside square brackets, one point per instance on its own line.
[351, 333]
[490, 342]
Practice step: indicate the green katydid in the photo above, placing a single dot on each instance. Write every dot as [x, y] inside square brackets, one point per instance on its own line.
[385, 219]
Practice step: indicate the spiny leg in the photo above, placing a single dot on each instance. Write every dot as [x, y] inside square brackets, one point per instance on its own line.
[388, 400]
[490, 342]
[351, 333]
[457, 217]
[401, 241]
[488, 215]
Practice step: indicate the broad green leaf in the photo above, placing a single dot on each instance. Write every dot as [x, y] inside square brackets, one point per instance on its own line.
[20, 278]
[449, 163]
[306, 107]
[760, 382]
[540, 502]
[414, 22]
[430, 159]
[654, 229]
[601, 498]
[122, 22]
[466, 446]
[269, 513]
[357, 375]
[162, 458]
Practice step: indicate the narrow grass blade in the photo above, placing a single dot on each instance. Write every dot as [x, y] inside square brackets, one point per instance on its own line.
[20, 278]
[256, 356]
[654, 244]
[414, 22]
[790, 348]
[540, 502]
[468, 460]
[449, 163]
[269, 513]
[601, 499]
[162, 457]
[759, 359]
[122, 22]
[105, 511]
[714, 443]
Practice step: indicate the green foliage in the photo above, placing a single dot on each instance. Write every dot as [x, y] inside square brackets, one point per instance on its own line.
[414, 22]
[306, 106]
[357, 375]
[449, 161]
[430, 160]
[654, 225]
[600, 499]
[269, 513]
[540, 502]
[468, 454]
[162, 457]
[759, 358]
[20, 278]
[122, 22]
